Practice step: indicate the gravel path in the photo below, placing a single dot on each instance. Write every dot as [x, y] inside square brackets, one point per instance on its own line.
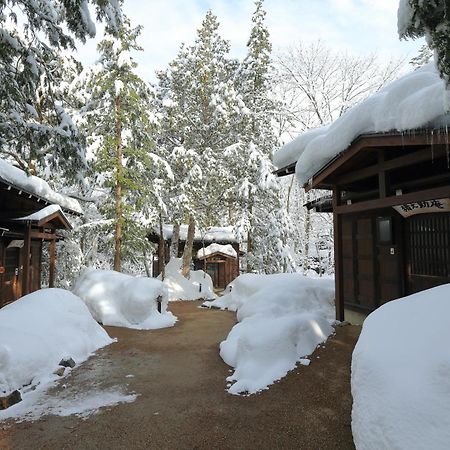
[182, 403]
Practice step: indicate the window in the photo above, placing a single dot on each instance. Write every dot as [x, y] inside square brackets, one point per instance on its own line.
[384, 230]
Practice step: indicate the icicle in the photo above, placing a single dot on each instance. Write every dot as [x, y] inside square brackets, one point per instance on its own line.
[447, 149]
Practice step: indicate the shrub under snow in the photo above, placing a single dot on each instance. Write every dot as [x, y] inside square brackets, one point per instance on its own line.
[401, 375]
[282, 318]
[198, 286]
[39, 330]
[121, 300]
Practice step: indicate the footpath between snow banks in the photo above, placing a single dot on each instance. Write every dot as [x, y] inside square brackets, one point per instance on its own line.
[181, 403]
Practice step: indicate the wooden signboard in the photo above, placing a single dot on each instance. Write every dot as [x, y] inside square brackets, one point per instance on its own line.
[424, 207]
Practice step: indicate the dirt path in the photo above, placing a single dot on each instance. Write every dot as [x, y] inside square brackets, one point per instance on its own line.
[182, 402]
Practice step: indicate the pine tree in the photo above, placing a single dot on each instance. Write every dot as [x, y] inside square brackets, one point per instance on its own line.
[35, 130]
[424, 56]
[431, 19]
[198, 102]
[119, 120]
[258, 192]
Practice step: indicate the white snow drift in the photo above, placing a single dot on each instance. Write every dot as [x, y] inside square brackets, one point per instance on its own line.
[282, 318]
[198, 286]
[393, 108]
[39, 330]
[400, 375]
[122, 300]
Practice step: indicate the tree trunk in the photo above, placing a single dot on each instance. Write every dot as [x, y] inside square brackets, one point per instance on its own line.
[175, 241]
[187, 254]
[146, 265]
[249, 237]
[118, 188]
[161, 249]
[249, 251]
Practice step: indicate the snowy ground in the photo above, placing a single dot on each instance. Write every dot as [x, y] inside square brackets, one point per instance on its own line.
[37, 332]
[198, 286]
[282, 318]
[121, 300]
[400, 375]
[73, 401]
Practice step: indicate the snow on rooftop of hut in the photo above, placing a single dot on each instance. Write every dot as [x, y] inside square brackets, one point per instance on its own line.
[43, 213]
[36, 186]
[416, 100]
[211, 234]
[217, 248]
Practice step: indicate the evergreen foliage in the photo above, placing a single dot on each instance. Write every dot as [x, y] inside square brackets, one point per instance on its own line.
[121, 125]
[35, 130]
[429, 18]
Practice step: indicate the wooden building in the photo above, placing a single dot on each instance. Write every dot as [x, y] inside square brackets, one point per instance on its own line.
[221, 262]
[28, 221]
[222, 265]
[391, 208]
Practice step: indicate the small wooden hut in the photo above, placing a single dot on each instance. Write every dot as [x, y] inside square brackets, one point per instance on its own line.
[220, 261]
[29, 219]
[222, 264]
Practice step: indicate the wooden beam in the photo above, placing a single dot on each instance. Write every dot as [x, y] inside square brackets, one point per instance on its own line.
[402, 161]
[378, 141]
[43, 235]
[52, 266]
[428, 194]
[26, 260]
[338, 280]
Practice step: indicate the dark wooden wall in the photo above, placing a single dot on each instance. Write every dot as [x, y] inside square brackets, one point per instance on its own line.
[374, 272]
[12, 267]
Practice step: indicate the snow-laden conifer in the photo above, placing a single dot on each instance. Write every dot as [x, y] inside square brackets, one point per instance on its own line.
[121, 125]
[35, 129]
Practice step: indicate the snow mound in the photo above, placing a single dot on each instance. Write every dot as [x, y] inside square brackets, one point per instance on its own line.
[215, 248]
[121, 300]
[199, 285]
[282, 318]
[392, 108]
[38, 331]
[400, 375]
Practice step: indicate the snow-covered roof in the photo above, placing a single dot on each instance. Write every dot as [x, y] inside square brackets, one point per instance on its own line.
[416, 100]
[44, 213]
[30, 184]
[211, 234]
[217, 248]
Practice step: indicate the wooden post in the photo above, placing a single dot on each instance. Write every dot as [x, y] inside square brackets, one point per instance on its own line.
[51, 272]
[338, 281]
[26, 260]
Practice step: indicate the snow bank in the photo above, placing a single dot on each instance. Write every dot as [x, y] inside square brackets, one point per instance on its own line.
[214, 248]
[400, 375]
[392, 108]
[282, 318]
[211, 234]
[121, 300]
[39, 330]
[181, 288]
[36, 186]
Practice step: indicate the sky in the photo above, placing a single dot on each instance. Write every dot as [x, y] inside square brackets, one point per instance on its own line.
[354, 26]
